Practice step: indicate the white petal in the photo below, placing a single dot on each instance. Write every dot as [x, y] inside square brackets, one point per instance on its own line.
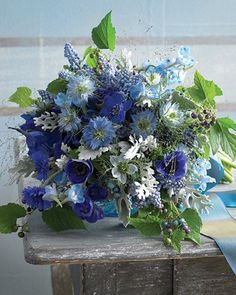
[132, 169]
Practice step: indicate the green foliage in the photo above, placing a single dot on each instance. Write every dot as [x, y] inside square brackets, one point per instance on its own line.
[60, 219]
[22, 97]
[195, 223]
[176, 238]
[8, 217]
[56, 86]
[148, 226]
[203, 91]
[104, 34]
[220, 136]
[90, 55]
[184, 102]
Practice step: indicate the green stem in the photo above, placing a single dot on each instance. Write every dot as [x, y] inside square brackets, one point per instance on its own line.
[50, 178]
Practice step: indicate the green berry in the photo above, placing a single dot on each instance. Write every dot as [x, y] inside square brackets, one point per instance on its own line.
[21, 234]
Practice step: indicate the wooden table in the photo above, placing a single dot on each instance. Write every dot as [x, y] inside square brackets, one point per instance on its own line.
[108, 259]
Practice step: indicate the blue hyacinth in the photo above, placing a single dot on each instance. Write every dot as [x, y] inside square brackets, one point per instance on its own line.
[72, 56]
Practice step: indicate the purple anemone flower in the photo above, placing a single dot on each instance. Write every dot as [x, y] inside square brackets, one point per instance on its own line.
[87, 211]
[33, 197]
[78, 171]
[173, 167]
[115, 107]
[96, 192]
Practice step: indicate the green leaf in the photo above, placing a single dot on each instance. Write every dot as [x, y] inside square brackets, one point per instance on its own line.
[214, 138]
[90, 55]
[149, 226]
[59, 219]
[204, 91]
[184, 102]
[228, 142]
[195, 223]
[104, 34]
[8, 217]
[22, 97]
[227, 123]
[177, 237]
[56, 86]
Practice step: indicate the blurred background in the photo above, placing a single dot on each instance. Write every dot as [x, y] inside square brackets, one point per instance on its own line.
[32, 35]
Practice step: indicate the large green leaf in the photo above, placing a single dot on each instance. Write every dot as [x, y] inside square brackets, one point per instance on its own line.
[204, 91]
[56, 86]
[214, 138]
[227, 123]
[176, 238]
[104, 34]
[194, 222]
[149, 226]
[184, 102]
[22, 97]
[59, 219]
[8, 217]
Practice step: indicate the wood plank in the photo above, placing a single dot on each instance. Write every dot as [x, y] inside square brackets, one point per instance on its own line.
[62, 283]
[203, 276]
[105, 241]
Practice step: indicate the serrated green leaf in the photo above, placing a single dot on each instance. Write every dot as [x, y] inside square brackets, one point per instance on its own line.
[104, 34]
[176, 238]
[60, 219]
[194, 222]
[214, 138]
[204, 91]
[184, 102]
[149, 226]
[56, 86]
[8, 217]
[22, 97]
[227, 123]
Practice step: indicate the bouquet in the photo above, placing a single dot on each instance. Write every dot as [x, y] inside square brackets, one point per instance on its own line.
[109, 138]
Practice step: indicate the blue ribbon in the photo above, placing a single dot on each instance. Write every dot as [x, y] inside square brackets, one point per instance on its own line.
[219, 224]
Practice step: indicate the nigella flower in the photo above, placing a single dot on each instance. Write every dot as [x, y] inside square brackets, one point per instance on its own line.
[98, 133]
[171, 115]
[78, 171]
[69, 120]
[144, 123]
[62, 100]
[96, 192]
[79, 89]
[76, 194]
[173, 167]
[33, 197]
[115, 107]
[121, 168]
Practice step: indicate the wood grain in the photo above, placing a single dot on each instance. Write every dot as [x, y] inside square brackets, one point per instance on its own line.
[203, 276]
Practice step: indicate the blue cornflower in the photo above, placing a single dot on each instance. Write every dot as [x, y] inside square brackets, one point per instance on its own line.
[173, 167]
[33, 197]
[144, 123]
[76, 194]
[62, 100]
[69, 120]
[98, 133]
[79, 89]
[115, 107]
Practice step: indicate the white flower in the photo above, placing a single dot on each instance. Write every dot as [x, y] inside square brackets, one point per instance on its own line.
[152, 78]
[125, 59]
[137, 147]
[65, 148]
[171, 114]
[61, 162]
[121, 168]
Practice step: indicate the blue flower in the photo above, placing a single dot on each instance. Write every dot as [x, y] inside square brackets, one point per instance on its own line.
[137, 91]
[184, 57]
[115, 107]
[62, 100]
[173, 167]
[69, 120]
[200, 174]
[33, 197]
[78, 171]
[98, 133]
[79, 89]
[144, 123]
[84, 209]
[29, 122]
[76, 194]
[97, 192]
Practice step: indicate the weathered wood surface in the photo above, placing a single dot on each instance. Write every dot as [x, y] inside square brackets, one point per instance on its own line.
[105, 241]
[203, 276]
